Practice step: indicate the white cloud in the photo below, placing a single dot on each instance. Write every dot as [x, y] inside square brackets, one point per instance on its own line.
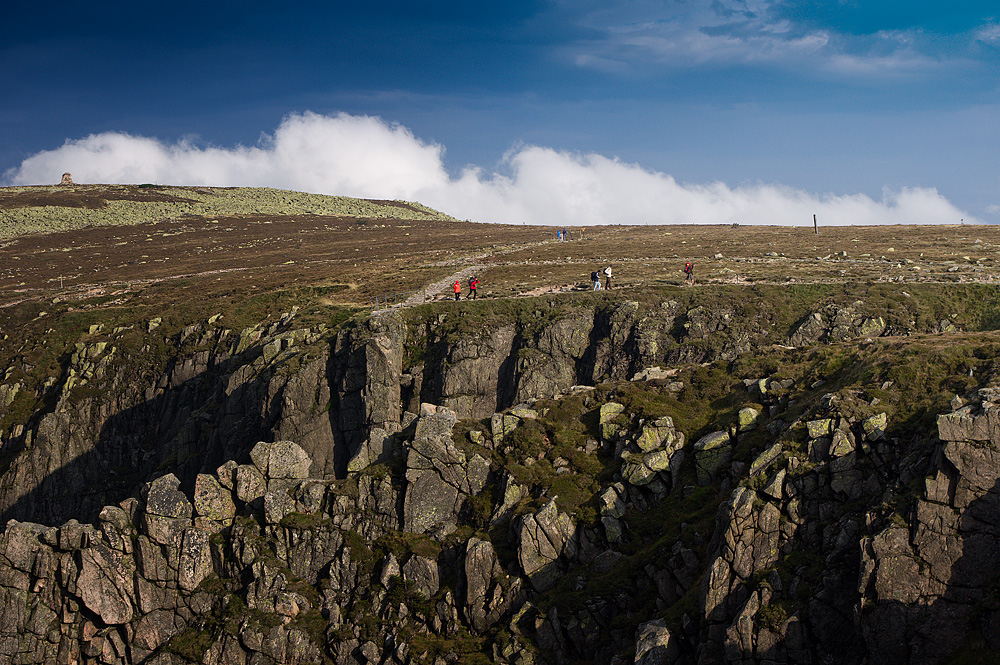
[988, 33]
[367, 157]
[648, 38]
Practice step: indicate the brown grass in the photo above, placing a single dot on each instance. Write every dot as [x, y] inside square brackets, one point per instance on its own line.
[348, 260]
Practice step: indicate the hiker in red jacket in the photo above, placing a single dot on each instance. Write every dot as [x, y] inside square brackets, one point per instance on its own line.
[457, 286]
[473, 285]
[689, 273]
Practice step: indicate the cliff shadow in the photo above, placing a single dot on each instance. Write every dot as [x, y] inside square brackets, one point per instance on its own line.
[92, 454]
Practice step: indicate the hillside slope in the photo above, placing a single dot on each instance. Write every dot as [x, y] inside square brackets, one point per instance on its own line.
[211, 451]
[47, 209]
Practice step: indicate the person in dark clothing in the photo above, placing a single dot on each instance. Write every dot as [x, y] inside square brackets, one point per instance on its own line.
[689, 273]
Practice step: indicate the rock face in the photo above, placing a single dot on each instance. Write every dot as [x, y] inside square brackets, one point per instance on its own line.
[342, 396]
[295, 495]
[931, 577]
[134, 588]
[439, 476]
[266, 553]
[836, 323]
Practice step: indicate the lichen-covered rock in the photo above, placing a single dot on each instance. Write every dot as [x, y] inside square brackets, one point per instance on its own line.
[486, 598]
[511, 493]
[281, 459]
[501, 425]
[542, 539]
[642, 469]
[195, 559]
[423, 574]
[660, 433]
[163, 498]
[836, 323]
[765, 459]
[654, 645]
[874, 426]
[249, 483]
[746, 419]
[439, 476]
[278, 502]
[820, 428]
[842, 443]
[104, 584]
[611, 504]
[212, 501]
[610, 411]
[379, 447]
[711, 452]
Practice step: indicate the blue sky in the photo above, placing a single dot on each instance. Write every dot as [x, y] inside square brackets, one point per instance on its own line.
[709, 111]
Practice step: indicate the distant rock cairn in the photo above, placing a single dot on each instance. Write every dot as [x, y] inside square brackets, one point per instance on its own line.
[67, 179]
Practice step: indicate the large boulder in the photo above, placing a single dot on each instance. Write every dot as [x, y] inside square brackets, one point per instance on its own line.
[609, 412]
[712, 452]
[654, 645]
[422, 573]
[212, 501]
[485, 596]
[439, 476]
[164, 498]
[542, 539]
[281, 459]
[104, 584]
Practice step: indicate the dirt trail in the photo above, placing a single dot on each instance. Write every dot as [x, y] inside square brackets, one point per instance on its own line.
[428, 292]
[463, 275]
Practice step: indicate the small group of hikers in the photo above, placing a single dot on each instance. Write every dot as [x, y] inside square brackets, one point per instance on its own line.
[595, 276]
[473, 285]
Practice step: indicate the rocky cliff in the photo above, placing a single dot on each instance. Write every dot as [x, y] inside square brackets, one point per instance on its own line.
[668, 482]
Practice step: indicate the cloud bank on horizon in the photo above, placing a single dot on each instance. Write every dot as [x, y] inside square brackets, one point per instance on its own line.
[364, 156]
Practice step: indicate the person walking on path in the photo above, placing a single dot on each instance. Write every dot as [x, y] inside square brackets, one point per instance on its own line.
[689, 273]
[457, 286]
[473, 285]
[607, 277]
[595, 277]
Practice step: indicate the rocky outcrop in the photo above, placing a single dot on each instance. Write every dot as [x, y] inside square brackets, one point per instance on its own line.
[141, 585]
[439, 477]
[342, 395]
[266, 562]
[311, 496]
[835, 323]
[929, 576]
[543, 539]
[366, 380]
